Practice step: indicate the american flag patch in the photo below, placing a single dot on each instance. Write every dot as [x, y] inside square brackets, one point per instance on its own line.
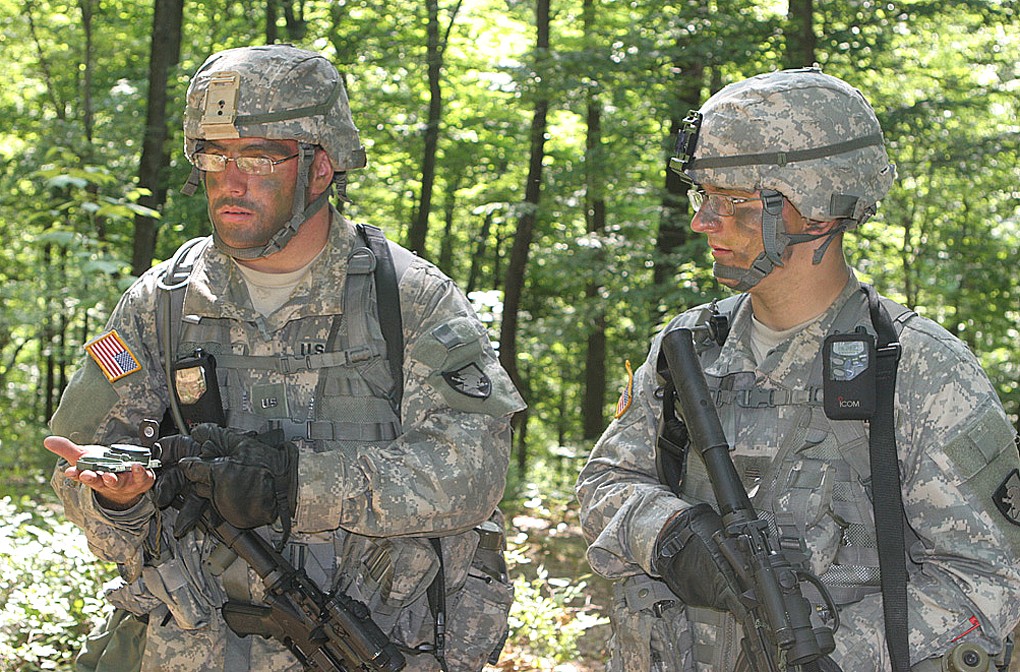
[627, 396]
[113, 356]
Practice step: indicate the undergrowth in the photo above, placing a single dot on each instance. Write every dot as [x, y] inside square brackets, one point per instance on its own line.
[51, 596]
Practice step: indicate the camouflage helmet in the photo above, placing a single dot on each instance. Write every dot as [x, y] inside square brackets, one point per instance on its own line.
[277, 92]
[809, 136]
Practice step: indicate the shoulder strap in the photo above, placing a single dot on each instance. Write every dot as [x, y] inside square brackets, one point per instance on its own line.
[170, 312]
[886, 486]
[391, 263]
[387, 289]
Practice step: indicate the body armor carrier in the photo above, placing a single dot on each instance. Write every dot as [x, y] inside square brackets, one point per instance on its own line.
[337, 387]
[810, 478]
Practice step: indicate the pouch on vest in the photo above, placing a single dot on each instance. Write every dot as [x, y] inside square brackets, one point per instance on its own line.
[198, 389]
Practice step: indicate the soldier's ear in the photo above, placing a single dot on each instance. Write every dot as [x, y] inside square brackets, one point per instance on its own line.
[322, 171]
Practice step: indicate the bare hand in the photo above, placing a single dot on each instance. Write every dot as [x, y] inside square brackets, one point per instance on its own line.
[114, 491]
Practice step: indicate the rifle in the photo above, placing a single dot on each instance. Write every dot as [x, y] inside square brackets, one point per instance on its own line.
[777, 621]
[324, 631]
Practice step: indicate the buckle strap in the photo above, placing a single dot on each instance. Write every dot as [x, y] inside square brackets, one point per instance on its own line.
[293, 364]
[756, 397]
[322, 430]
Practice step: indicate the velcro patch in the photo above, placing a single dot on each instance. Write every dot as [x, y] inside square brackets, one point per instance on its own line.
[469, 380]
[113, 356]
[1007, 497]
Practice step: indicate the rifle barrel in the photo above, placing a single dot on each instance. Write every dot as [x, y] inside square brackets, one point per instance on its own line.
[702, 421]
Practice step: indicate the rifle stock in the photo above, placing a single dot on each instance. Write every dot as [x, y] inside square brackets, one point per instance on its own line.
[777, 623]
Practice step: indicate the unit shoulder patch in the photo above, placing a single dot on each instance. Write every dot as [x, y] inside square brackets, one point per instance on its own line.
[1007, 497]
[469, 380]
[113, 356]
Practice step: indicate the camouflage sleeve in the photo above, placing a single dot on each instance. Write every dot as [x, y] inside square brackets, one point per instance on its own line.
[447, 470]
[957, 451]
[623, 504]
[100, 406]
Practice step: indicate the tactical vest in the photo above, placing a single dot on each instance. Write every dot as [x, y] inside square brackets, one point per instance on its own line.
[332, 389]
[809, 477]
[335, 385]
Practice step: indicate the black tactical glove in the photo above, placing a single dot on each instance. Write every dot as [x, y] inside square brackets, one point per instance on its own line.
[170, 482]
[250, 480]
[690, 562]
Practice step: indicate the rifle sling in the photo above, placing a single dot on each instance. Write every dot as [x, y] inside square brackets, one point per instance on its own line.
[887, 494]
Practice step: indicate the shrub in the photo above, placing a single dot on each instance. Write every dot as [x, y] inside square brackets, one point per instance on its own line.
[50, 588]
[548, 617]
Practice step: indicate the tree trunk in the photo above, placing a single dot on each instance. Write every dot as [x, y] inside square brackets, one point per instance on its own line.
[517, 265]
[514, 284]
[418, 231]
[482, 242]
[674, 218]
[297, 24]
[88, 8]
[594, 398]
[446, 247]
[271, 33]
[164, 54]
[47, 390]
[800, 38]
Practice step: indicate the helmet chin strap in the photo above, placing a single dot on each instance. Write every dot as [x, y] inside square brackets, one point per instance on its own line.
[299, 215]
[775, 240]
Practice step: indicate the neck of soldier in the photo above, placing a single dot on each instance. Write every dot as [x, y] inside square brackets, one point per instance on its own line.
[799, 291]
[309, 240]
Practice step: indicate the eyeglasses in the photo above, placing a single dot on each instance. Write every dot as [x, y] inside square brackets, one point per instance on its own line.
[249, 165]
[717, 204]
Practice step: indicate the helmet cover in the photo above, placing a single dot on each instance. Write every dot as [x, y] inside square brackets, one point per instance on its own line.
[808, 135]
[277, 92]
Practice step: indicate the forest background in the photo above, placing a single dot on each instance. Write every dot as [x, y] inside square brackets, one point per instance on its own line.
[521, 146]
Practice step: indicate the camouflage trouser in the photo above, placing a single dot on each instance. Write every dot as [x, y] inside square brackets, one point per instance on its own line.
[650, 629]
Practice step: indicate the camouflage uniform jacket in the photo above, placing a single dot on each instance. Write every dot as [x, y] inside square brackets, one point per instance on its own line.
[810, 476]
[372, 488]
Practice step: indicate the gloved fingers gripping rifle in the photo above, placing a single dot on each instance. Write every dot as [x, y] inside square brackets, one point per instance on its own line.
[777, 619]
[690, 561]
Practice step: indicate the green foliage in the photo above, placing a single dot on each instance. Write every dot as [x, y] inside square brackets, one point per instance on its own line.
[944, 241]
[61, 274]
[942, 76]
[557, 610]
[50, 588]
[545, 624]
